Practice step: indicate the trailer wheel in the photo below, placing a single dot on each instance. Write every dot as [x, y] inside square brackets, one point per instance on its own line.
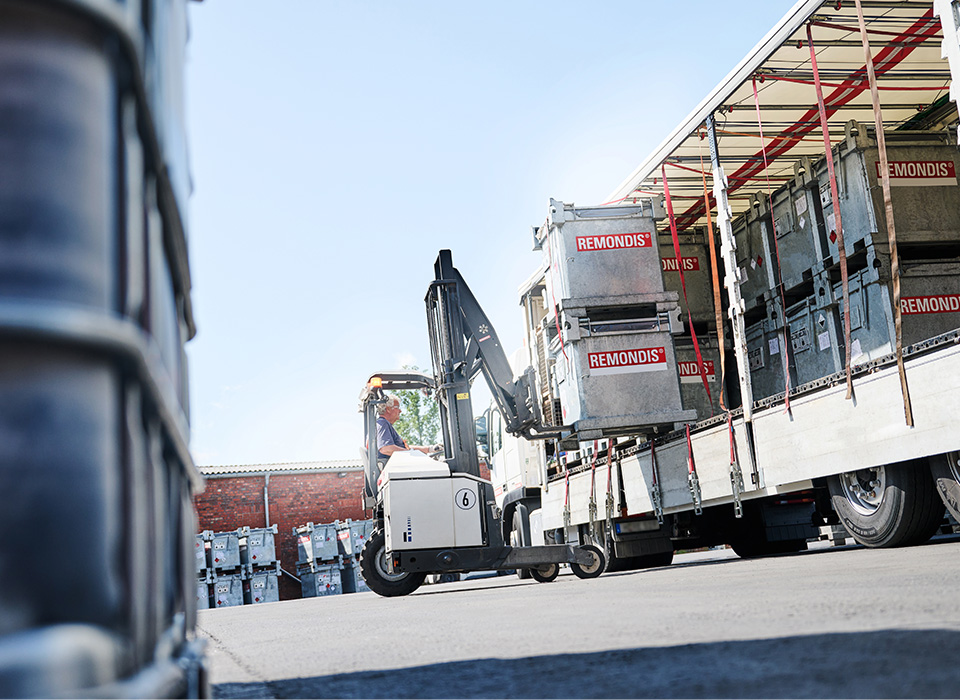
[592, 570]
[545, 574]
[373, 567]
[895, 505]
[946, 476]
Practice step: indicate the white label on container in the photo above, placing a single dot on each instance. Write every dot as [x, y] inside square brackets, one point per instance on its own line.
[774, 346]
[625, 361]
[800, 203]
[755, 358]
[855, 351]
[824, 340]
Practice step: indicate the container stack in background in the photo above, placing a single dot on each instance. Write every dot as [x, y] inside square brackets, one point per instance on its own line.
[802, 227]
[237, 567]
[328, 557]
[351, 536]
[258, 556]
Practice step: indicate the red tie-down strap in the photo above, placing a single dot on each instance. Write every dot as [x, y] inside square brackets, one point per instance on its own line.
[683, 285]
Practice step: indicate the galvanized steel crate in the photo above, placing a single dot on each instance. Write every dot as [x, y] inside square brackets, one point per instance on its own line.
[262, 587]
[204, 595]
[257, 546]
[316, 543]
[601, 252]
[201, 551]
[351, 578]
[695, 262]
[692, 394]
[924, 189]
[765, 357]
[352, 535]
[323, 581]
[619, 381]
[817, 350]
[754, 254]
[225, 551]
[228, 590]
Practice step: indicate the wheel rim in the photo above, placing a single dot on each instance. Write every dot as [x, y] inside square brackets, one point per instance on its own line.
[953, 464]
[864, 489]
[592, 568]
[380, 561]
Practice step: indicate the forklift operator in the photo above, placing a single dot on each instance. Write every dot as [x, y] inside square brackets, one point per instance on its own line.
[388, 439]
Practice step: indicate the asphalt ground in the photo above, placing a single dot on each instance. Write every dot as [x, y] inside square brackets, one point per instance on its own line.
[840, 622]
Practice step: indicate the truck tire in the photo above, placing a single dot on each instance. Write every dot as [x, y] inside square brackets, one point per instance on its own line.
[946, 475]
[592, 570]
[546, 574]
[895, 505]
[374, 570]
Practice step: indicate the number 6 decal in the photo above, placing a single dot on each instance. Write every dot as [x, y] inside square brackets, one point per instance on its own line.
[465, 499]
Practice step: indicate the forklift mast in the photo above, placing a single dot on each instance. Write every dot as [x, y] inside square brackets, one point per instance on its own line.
[463, 344]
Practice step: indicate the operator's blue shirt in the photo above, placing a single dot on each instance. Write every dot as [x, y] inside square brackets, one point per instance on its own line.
[387, 435]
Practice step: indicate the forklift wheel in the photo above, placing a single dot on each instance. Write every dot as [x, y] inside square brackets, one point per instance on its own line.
[592, 570]
[545, 574]
[373, 566]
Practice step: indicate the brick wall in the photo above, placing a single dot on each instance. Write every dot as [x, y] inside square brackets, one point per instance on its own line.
[229, 502]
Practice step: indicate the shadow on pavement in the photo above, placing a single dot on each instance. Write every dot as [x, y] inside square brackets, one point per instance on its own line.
[883, 664]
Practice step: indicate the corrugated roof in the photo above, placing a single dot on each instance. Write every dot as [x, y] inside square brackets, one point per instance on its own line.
[905, 37]
[333, 465]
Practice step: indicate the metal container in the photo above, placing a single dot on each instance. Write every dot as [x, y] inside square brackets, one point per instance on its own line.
[225, 551]
[202, 552]
[765, 357]
[695, 259]
[816, 352]
[324, 580]
[204, 593]
[351, 577]
[352, 535]
[316, 543]
[262, 587]
[228, 591]
[257, 546]
[754, 255]
[795, 230]
[929, 304]
[616, 380]
[692, 394]
[601, 253]
[924, 189]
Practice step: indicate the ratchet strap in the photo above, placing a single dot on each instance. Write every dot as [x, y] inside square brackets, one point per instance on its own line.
[692, 479]
[834, 193]
[566, 500]
[736, 475]
[888, 204]
[593, 491]
[611, 456]
[683, 285]
[776, 247]
[656, 494]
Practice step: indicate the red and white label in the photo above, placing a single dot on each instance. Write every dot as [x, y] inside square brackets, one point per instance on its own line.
[689, 264]
[614, 241]
[920, 173]
[627, 361]
[938, 304]
[690, 372]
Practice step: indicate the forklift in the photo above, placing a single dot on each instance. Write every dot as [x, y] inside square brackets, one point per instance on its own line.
[435, 514]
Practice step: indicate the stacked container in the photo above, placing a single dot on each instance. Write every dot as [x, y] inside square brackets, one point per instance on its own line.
[94, 311]
[205, 575]
[610, 321]
[351, 536]
[318, 560]
[925, 194]
[228, 572]
[261, 568]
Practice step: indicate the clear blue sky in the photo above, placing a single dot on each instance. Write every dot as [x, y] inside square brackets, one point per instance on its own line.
[336, 147]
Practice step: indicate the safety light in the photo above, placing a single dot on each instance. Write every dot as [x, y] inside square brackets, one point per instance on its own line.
[376, 383]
